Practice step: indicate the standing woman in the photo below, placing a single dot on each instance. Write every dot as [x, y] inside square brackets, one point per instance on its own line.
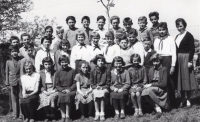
[185, 49]
[30, 85]
[64, 79]
[120, 84]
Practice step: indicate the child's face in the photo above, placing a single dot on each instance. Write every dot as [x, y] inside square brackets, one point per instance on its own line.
[84, 68]
[71, 23]
[118, 65]
[65, 47]
[46, 44]
[100, 23]
[128, 25]
[100, 63]
[64, 64]
[123, 44]
[147, 45]
[162, 31]
[110, 40]
[142, 24]
[29, 70]
[86, 23]
[80, 39]
[25, 39]
[156, 63]
[29, 51]
[48, 32]
[14, 42]
[154, 20]
[47, 66]
[60, 34]
[115, 23]
[132, 39]
[95, 40]
[135, 61]
[180, 27]
[14, 53]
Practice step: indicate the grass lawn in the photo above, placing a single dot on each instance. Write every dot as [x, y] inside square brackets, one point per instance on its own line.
[176, 115]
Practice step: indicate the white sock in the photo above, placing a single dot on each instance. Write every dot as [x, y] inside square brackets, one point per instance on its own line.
[158, 109]
[102, 113]
[97, 113]
[188, 103]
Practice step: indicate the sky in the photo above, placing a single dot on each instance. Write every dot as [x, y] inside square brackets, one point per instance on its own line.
[169, 11]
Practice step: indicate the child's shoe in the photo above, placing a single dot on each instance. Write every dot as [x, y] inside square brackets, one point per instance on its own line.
[96, 118]
[102, 118]
[136, 114]
[122, 116]
[116, 116]
[140, 112]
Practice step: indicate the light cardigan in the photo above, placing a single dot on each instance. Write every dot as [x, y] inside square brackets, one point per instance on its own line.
[79, 53]
[168, 48]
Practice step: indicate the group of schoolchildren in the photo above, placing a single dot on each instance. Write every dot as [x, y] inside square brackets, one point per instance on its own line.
[92, 68]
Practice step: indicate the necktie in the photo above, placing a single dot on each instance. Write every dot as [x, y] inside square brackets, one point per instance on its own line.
[96, 46]
[48, 52]
[107, 49]
[87, 31]
[161, 42]
[119, 80]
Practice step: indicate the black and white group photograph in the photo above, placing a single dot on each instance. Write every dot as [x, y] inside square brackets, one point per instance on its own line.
[99, 60]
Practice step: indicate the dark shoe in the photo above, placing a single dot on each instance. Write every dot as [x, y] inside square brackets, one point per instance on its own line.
[82, 117]
[21, 117]
[122, 116]
[46, 120]
[116, 116]
[62, 120]
[67, 120]
[102, 118]
[96, 118]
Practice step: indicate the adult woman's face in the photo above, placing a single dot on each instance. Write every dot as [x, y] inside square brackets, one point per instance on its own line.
[180, 27]
[29, 70]
[64, 64]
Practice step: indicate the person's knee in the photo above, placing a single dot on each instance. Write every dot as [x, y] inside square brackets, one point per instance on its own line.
[138, 94]
[133, 94]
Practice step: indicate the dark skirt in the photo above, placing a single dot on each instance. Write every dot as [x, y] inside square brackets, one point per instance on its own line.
[121, 96]
[33, 99]
[186, 77]
[158, 95]
[66, 98]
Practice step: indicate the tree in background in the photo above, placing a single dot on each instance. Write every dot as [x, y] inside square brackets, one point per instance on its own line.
[107, 5]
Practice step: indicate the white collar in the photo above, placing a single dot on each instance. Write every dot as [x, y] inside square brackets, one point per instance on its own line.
[148, 50]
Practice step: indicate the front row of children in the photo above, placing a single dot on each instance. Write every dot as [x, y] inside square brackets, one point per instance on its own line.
[97, 87]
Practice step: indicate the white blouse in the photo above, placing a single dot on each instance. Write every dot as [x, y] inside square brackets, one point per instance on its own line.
[48, 77]
[29, 82]
[180, 38]
[112, 52]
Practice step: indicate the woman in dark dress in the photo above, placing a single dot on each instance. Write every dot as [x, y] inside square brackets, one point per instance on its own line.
[185, 49]
[64, 79]
[120, 84]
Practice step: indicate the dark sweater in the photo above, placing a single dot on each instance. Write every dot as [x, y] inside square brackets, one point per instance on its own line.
[187, 45]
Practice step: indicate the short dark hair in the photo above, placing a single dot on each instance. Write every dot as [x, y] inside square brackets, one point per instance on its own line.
[85, 17]
[64, 41]
[14, 47]
[48, 27]
[47, 38]
[182, 21]
[71, 17]
[25, 34]
[47, 59]
[156, 56]
[63, 58]
[163, 25]
[113, 18]
[101, 17]
[142, 18]
[155, 13]
[13, 38]
[135, 55]
[127, 20]
[29, 45]
[117, 59]
[99, 56]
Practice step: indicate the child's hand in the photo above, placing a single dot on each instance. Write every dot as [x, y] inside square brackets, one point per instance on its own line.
[115, 89]
[147, 85]
[25, 96]
[135, 86]
[64, 91]
[189, 64]
[120, 90]
[172, 70]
